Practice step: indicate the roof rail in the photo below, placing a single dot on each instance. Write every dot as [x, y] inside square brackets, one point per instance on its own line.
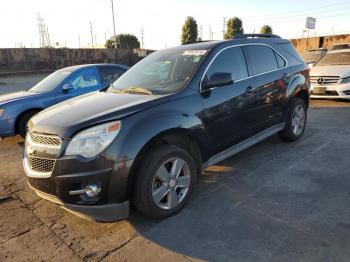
[244, 36]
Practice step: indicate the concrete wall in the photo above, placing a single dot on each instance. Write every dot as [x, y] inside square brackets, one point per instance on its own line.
[48, 59]
[302, 44]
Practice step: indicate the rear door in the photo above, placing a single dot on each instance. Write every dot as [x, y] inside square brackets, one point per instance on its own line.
[268, 83]
[228, 110]
[84, 81]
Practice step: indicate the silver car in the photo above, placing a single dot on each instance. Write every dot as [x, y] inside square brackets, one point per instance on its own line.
[330, 76]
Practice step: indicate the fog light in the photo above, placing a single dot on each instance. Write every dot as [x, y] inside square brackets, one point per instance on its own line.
[90, 191]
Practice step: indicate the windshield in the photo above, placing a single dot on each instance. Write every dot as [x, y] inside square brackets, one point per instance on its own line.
[50, 82]
[341, 58]
[163, 72]
[310, 57]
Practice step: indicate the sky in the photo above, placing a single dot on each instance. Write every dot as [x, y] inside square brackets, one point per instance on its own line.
[69, 20]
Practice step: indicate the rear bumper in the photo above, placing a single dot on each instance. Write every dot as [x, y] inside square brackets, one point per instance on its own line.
[100, 213]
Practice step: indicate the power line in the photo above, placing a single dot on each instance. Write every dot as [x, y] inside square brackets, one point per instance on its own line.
[300, 10]
[337, 9]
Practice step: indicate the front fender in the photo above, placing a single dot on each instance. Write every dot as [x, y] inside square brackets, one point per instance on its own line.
[140, 128]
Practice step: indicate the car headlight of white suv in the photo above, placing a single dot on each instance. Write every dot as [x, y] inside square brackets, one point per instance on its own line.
[92, 141]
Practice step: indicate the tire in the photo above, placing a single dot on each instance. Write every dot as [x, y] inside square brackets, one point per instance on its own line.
[291, 132]
[21, 124]
[151, 183]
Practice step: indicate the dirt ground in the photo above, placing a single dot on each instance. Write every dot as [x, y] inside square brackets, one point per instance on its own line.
[276, 201]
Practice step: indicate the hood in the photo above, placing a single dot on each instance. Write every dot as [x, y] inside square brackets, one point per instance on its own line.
[12, 97]
[73, 115]
[335, 70]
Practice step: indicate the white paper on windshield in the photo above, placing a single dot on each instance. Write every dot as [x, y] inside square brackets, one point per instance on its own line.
[194, 52]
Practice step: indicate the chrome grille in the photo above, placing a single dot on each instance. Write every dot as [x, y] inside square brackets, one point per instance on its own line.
[41, 165]
[45, 139]
[324, 80]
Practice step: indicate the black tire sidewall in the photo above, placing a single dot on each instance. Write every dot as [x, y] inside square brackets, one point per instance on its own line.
[143, 199]
[288, 133]
[23, 122]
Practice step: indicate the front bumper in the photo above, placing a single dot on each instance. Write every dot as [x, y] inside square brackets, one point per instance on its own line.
[333, 91]
[54, 176]
[7, 127]
[102, 213]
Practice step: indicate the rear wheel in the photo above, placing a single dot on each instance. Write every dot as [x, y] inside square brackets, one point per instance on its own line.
[296, 121]
[21, 124]
[164, 181]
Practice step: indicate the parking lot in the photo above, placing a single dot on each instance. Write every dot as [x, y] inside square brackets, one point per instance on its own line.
[276, 201]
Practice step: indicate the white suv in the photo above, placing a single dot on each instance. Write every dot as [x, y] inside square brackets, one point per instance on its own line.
[330, 76]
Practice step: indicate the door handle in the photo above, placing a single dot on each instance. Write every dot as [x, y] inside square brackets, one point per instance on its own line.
[250, 90]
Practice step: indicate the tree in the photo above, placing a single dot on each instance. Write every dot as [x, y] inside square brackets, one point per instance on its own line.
[189, 31]
[123, 41]
[234, 27]
[266, 29]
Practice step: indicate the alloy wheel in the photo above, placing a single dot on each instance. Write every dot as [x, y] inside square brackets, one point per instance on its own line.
[298, 120]
[171, 183]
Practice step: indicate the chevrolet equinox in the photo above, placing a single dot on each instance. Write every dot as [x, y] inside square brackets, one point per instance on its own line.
[145, 139]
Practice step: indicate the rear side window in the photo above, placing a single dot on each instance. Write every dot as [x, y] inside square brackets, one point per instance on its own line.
[263, 59]
[110, 73]
[232, 61]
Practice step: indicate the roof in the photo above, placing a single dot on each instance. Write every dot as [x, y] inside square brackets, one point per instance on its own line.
[76, 67]
[211, 44]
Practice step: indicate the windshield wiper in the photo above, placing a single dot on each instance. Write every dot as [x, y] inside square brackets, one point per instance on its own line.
[133, 90]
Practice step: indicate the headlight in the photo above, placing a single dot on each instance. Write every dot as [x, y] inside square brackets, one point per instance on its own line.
[94, 140]
[345, 80]
[1, 111]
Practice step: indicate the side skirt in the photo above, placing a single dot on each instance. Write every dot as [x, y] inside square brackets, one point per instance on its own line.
[244, 144]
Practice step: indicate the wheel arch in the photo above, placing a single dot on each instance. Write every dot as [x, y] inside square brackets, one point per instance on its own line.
[35, 109]
[179, 137]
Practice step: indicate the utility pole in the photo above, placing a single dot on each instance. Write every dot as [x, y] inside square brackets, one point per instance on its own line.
[201, 32]
[210, 33]
[224, 27]
[79, 40]
[115, 36]
[92, 38]
[142, 32]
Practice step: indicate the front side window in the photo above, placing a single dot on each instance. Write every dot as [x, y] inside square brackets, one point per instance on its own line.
[231, 61]
[84, 78]
[163, 72]
[340, 58]
[262, 58]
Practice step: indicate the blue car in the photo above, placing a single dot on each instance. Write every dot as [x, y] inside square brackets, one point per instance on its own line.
[17, 108]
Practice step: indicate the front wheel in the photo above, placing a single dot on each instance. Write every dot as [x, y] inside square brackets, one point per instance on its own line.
[164, 181]
[21, 125]
[296, 121]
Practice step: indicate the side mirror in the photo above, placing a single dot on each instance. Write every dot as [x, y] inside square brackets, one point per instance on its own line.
[218, 79]
[67, 87]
